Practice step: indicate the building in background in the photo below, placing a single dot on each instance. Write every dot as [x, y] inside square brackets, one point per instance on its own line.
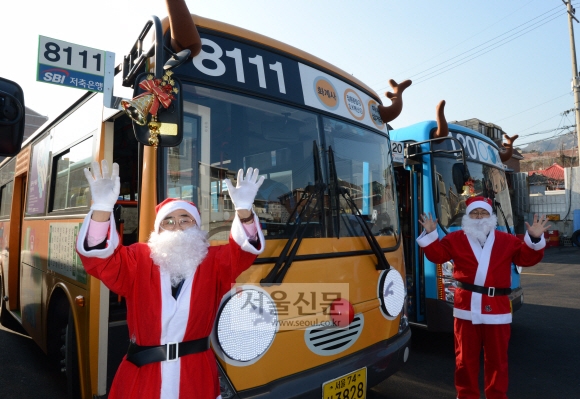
[538, 160]
[548, 179]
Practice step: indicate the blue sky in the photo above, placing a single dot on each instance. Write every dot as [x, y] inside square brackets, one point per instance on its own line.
[505, 62]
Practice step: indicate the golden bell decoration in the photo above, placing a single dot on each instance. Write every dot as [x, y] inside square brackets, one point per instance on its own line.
[154, 132]
[138, 108]
[158, 93]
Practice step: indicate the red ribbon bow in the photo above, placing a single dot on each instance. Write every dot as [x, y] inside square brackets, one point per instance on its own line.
[160, 96]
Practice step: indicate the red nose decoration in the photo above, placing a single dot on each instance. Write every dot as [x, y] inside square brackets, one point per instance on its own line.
[341, 312]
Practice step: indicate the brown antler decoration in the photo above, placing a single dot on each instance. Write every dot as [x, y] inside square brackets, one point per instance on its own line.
[509, 147]
[391, 112]
[442, 126]
[184, 34]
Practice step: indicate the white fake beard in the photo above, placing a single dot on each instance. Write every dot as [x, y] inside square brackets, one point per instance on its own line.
[179, 252]
[478, 229]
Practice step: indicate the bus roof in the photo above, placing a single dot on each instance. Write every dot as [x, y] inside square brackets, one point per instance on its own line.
[246, 34]
[422, 131]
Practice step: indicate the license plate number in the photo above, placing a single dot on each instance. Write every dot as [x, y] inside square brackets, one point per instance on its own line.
[350, 386]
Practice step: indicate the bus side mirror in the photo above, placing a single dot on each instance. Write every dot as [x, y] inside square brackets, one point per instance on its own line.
[170, 118]
[460, 175]
[11, 117]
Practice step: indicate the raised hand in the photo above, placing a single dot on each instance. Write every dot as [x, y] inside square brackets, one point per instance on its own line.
[538, 226]
[428, 223]
[245, 191]
[105, 188]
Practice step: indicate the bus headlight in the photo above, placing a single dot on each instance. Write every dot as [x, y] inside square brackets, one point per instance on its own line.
[246, 325]
[391, 293]
[446, 285]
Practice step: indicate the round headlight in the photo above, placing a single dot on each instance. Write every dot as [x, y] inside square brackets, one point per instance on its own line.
[391, 292]
[247, 324]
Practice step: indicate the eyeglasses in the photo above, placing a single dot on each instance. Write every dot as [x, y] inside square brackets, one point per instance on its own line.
[171, 223]
[483, 214]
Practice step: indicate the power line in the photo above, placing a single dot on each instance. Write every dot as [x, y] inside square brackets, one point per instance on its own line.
[477, 54]
[561, 135]
[452, 47]
[550, 130]
[424, 76]
[535, 106]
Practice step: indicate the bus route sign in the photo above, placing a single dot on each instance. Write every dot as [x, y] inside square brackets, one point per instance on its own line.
[71, 65]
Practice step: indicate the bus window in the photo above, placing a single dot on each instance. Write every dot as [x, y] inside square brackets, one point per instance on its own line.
[364, 167]
[485, 180]
[6, 188]
[71, 188]
[6, 199]
[76, 125]
[37, 183]
[224, 132]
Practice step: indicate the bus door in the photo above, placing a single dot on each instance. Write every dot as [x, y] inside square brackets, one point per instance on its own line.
[404, 184]
[408, 182]
[12, 283]
[126, 154]
[13, 277]
[419, 189]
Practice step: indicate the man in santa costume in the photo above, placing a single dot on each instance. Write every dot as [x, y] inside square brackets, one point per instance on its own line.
[482, 258]
[173, 285]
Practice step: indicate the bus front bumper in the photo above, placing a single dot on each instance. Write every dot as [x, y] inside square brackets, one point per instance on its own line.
[381, 360]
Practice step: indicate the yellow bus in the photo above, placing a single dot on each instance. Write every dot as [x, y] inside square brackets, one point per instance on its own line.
[328, 210]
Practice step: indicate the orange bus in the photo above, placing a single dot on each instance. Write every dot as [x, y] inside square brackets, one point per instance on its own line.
[328, 210]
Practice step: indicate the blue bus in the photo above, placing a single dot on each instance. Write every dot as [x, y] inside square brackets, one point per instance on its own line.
[437, 175]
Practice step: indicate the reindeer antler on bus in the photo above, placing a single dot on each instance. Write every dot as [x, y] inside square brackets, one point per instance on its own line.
[442, 126]
[184, 34]
[391, 112]
[443, 131]
[508, 146]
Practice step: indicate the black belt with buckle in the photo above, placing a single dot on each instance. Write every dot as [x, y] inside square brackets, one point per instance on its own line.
[142, 355]
[489, 291]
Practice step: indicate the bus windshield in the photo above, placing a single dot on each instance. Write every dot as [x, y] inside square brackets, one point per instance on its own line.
[451, 191]
[224, 132]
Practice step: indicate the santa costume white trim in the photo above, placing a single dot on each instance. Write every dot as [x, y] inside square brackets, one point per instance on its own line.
[155, 317]
[481, 320]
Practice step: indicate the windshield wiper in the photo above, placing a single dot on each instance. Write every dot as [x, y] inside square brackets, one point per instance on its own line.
[382, 263]
[288, 253]
[286, 257]
[507, 226]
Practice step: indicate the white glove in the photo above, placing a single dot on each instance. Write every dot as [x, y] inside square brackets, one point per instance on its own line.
[246, 189]
[104, 188]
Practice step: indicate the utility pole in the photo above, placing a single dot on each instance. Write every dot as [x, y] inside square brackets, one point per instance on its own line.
[575, 77]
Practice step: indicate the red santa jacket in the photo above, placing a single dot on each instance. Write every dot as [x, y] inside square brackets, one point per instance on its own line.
[155, 317]
[489, 266]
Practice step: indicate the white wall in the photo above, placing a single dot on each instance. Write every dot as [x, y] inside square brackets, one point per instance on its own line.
[561, 202]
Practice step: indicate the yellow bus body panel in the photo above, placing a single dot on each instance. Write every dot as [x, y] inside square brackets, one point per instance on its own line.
[288, 353]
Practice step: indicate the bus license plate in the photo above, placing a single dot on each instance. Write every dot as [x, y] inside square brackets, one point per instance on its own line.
[350, 386]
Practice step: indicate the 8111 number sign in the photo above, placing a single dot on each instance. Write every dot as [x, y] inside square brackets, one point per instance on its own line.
[69, 64]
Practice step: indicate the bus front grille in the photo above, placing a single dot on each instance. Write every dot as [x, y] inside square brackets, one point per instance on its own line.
[327, 341]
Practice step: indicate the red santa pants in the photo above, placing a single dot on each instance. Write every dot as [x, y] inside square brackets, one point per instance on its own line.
[469, 339]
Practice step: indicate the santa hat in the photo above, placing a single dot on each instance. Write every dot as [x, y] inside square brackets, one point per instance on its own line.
[478, 202]
[172, 204]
